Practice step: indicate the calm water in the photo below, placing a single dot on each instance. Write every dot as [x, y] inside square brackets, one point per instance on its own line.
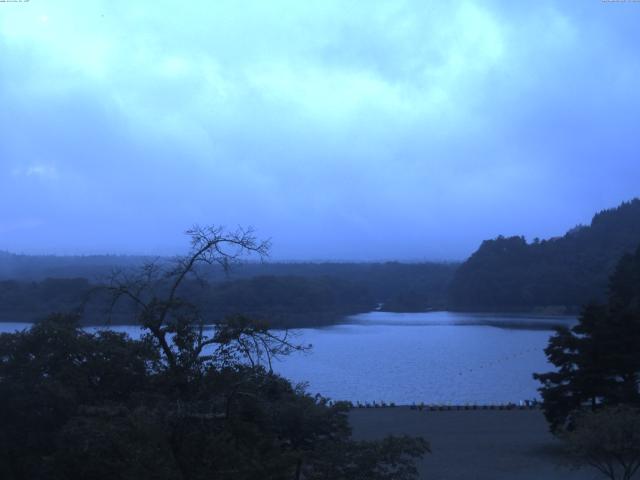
[436, 357]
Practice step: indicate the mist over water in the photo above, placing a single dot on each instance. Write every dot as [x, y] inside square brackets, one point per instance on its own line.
[501, 320]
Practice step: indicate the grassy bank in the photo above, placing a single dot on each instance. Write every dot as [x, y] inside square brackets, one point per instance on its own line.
[475, 444]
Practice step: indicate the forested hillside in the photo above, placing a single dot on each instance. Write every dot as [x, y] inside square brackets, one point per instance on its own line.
[556, 274]
[282, 294]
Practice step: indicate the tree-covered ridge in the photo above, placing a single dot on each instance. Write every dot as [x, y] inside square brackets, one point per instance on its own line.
[35, 268]
[569, 271]
[282, 301]
[296, 294]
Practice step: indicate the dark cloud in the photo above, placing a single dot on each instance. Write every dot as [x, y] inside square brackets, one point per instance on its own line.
[407, 130]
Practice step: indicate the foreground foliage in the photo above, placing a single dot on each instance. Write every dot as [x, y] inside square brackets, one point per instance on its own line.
[597, 360]
[608, 440]
[183, 402]
[75, 404]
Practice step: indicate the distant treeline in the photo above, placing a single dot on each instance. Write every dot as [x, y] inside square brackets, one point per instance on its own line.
[40, 267]
[557, 274]
[282, 294]
[505, 274]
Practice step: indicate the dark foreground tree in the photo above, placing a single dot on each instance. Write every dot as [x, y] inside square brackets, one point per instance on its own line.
[608, 440]
[597, 360]
[187, 401]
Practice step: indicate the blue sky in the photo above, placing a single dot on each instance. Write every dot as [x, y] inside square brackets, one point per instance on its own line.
[341, 129]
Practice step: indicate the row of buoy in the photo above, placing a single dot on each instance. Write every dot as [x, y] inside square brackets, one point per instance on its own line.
[529, 405]
[532, 405]
[523, 405]
[500, 360]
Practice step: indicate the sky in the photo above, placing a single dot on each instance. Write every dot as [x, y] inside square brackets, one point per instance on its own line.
[341, 130]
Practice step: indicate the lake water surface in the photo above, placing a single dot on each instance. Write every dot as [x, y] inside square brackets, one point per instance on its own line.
[435, 357]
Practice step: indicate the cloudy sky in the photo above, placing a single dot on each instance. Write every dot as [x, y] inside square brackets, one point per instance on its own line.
[341, 129]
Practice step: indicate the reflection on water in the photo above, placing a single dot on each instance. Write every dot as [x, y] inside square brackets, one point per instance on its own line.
[512, 321]
[435, 357]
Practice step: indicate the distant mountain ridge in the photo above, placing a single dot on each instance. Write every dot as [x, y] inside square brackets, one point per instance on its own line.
[559, 274]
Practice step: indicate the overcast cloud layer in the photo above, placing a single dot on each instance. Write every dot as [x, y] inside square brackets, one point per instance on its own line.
[342, 130]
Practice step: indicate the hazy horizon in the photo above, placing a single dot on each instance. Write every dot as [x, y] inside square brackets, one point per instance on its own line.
[271, 258]
[372, 131]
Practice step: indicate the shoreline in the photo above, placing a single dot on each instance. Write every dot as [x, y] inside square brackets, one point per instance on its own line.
[476, 317]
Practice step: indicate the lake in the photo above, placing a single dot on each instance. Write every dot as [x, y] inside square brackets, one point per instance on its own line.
[434, 357]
